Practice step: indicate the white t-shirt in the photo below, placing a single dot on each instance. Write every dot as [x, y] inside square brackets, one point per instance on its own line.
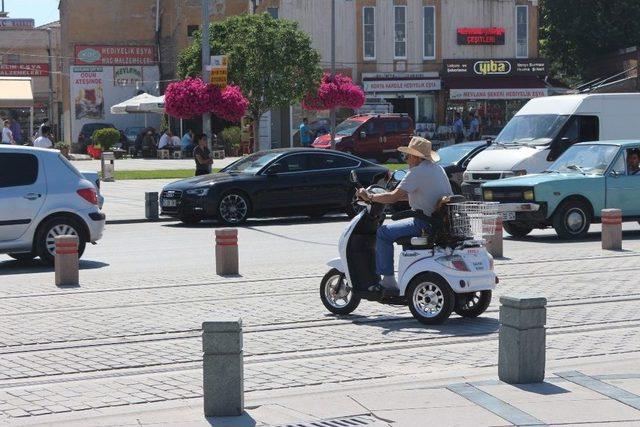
[42, 142]
[426, 184]
[165, 140]
[7, 136]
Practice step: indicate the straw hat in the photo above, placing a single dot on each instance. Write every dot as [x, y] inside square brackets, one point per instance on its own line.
[420, 147]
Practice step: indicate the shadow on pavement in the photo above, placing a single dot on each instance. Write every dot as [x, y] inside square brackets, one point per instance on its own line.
[454, 326]
[595, 236]
[543, 388]
[34, 266]
[244, 420]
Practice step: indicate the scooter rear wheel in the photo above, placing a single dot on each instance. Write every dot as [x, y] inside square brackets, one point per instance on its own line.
[336, 294]
[473, 304]
[430, 299]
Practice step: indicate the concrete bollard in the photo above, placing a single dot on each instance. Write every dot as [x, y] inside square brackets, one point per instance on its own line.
[494, 242]
[522, 340]
[611, 229]
[222, 368]
[227, 251]
[66, 262]
[151, 206]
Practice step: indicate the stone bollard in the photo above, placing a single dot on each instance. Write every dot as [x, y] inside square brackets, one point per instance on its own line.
[521, 355]
[66, 261]
[227, 251]
[611, 229]
[223, 374]
[151, 206]
[494, 242]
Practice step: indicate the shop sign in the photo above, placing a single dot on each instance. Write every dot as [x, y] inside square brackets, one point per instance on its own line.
[495, 67]
[459, 94]
[114, 55]
[481, 36]
[218, 69]
[127, 76]
[397, 76]
[87, 92]
[17, 23]
[401, 85]
[24, 70]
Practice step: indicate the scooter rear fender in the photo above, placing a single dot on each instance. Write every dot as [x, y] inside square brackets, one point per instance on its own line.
[474, 281]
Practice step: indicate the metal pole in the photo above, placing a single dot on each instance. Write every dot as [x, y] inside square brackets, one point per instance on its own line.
[333, 69]
[206, 61]
[50, 53]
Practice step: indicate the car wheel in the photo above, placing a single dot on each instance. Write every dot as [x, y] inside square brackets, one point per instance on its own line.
[472, 304]
[353, 208]
[233, 208]
[430, 299]
[572, 219]
[45, 240]
[24, 257]
[336, 294]
[516, 230]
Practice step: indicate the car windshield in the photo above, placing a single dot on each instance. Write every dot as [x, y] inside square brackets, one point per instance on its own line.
[453, 153]
[251, 164]
[585, 159]
[348, 127]
[537, 129]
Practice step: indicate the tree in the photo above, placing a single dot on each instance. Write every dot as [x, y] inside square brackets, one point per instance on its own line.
[271, 60]
[576, 32]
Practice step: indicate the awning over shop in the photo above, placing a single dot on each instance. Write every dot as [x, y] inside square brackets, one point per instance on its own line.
[516, 87]
[16, 92]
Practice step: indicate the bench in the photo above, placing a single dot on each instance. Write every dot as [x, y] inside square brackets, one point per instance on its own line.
[163, 154]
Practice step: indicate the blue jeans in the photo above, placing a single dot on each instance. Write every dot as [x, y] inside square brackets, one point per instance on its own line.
[385, 237]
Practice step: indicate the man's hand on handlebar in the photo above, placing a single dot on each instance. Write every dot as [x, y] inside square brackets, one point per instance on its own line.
[364, 195]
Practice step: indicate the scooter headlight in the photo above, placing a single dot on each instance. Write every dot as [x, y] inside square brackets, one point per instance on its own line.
[454, 262]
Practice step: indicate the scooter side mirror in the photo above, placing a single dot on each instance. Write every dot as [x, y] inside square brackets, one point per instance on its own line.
[399, 175]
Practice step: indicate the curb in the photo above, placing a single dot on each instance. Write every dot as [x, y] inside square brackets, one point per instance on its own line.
[137, 221]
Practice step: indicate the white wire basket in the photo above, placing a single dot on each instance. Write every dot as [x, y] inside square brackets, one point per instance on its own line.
[473, 220]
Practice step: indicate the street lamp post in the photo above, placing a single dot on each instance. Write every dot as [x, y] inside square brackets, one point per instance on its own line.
[333, 70]
[206, 61]
[50, 54]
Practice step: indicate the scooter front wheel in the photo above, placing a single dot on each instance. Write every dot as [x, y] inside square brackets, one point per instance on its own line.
[336, 294]
[430, 299]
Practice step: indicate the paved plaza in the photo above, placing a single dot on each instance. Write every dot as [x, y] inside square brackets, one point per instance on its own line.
[126, 344]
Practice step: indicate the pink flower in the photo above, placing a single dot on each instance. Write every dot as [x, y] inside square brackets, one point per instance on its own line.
[192, 97]
[335, 92]
[231, 105]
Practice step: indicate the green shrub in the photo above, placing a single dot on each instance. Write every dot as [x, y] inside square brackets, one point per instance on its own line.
[231, 136]
[60, 145]
[106, 138]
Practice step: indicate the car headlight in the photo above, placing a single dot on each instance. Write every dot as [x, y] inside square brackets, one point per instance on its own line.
[528, 195]
[466, 176]
[200, 192]
[454, 262]
[487, 195]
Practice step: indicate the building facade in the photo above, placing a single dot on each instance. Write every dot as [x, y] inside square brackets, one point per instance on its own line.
[24, 52]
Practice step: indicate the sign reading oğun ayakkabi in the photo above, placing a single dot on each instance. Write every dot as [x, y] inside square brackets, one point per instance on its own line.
[495, 67]
[114, 55]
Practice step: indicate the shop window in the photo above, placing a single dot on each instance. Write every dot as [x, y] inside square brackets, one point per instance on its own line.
[400, 14]
[522, 31]
[273, 11]
[426, 109]
[429, 25]
[369, 32]
[191, 30]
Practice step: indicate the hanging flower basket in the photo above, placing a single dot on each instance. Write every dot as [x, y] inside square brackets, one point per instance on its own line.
[335, 92]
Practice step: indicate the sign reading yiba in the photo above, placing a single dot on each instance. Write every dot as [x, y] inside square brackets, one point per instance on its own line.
[495, 67]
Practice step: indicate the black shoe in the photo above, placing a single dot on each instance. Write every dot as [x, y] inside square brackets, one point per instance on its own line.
[376, 288]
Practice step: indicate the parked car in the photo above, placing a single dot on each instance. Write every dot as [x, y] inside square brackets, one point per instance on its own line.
[545, 128]
[43, 196]
[282, 182]
[94, 178]
[86, 132]
[570, 195]
[317, 128]
[371, 136]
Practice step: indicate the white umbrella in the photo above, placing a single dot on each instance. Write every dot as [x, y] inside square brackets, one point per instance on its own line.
[135, 105]
[154, 104]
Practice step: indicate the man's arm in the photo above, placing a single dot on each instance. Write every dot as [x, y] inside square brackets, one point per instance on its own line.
[397, 195]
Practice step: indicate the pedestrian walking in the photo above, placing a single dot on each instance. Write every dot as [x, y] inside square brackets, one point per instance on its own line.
[43, 140]
[202, 156]
[305, 133]
[7, 135]
[458, 128]
[474, 127]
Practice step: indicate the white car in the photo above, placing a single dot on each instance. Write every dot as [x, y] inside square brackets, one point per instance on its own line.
[42, 195]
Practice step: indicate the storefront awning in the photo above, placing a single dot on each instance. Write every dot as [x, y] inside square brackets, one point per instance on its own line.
[16, 92]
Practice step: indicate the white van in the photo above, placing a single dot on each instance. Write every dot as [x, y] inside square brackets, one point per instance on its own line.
[545, 127]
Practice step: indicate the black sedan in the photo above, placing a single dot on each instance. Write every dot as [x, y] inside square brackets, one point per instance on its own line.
[284, 182]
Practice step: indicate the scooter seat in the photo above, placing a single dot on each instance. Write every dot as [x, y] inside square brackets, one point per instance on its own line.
[404, 241]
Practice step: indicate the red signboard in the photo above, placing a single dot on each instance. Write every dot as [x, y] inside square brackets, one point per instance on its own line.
[481, 36]
[24, 70]
[114, 55]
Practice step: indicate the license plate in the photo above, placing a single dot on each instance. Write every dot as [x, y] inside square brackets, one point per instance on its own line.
[168, 203]
[477, 191]
[508, 216]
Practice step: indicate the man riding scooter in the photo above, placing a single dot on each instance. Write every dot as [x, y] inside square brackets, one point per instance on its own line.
[423, 186]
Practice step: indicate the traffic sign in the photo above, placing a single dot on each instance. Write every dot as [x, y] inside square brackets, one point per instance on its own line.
[219, 70]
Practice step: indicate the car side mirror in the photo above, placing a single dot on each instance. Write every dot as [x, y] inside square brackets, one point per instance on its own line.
[274, 169]
[614, 174]
[363, 135]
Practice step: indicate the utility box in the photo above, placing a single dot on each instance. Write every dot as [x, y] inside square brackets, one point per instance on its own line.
[107, 165]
